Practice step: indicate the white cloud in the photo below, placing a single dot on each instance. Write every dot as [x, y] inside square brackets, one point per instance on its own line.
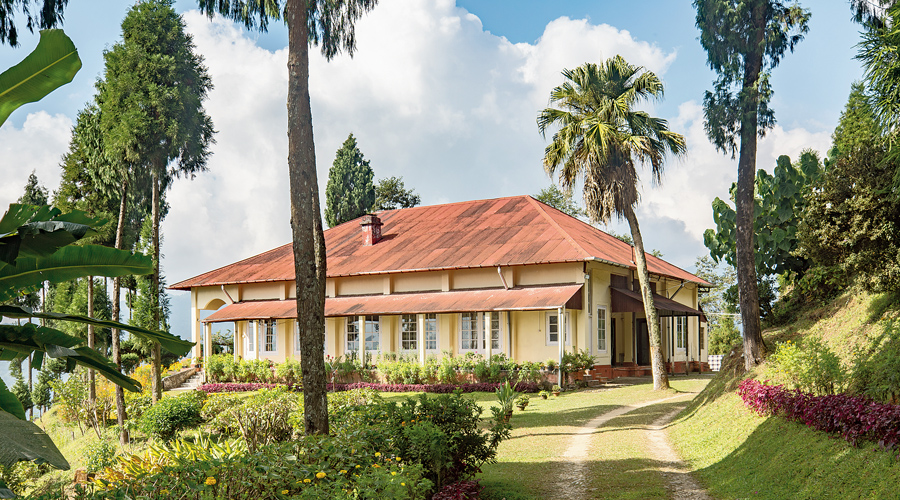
[38, 146]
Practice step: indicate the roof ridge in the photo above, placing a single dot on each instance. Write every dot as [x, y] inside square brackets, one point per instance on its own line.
[538, 205]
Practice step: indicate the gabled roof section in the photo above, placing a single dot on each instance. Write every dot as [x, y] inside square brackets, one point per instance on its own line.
[483, 233]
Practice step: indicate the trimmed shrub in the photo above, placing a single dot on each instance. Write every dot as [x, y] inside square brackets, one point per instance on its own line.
[433, 388]
[289, 372]
[170, 415]
[215, 412]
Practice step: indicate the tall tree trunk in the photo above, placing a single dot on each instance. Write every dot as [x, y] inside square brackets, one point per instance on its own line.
[660, 377]
[754, 349]
[155, 353]
[306, 222]
[116, 348]
[92, 382]
[30, 387]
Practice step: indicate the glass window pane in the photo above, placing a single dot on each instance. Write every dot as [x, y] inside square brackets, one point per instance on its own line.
[469, 331]
[553, 328]
[352, 335]
[495, 331]
[601, 329]
[431, 338]
[373, 333]
[409, 326]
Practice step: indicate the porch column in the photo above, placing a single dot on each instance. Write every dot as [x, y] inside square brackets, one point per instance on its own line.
[196, 328]
[238, 345]
[207, 340]
[486, 328]
[361, 328]
[561, 338]
[256, 345]
[420, 337]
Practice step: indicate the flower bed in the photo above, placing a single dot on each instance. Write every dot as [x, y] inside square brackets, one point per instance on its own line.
[854, 418]
[434, 388]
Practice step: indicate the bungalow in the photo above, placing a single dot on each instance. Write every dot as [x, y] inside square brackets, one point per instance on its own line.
[508, 275]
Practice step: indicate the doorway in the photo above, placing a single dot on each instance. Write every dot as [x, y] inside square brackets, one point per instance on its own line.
[643, 342]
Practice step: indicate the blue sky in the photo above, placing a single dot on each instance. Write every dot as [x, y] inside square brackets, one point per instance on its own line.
[442, 93]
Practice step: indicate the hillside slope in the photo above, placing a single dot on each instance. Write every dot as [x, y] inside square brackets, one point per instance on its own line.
[738, 454]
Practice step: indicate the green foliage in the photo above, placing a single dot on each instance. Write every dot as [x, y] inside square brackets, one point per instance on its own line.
[19, 477]
[876, 366]
[99, 455]
[402, 371]
[878, 53]
[723, 336]
[52, 64]
[216, 412]
[506, 396]
[560, 200]
[172, 414]
[261, 419]
[443, 433]
[733, 32]
[809, 366]
[850, 229]
[289, 372]
[780, 204]
[391, 193]
[349, 193]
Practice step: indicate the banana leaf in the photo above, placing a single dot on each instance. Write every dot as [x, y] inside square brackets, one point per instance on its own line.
[66, 264]
[6, 492]
[10, 403]
[22, 340]
[22, 440]
[169, 342]
[52, 64]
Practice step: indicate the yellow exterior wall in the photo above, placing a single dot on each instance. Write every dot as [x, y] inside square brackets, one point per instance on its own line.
[417, 282]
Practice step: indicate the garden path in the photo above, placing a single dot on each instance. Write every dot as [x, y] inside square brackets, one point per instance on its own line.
[574, 479]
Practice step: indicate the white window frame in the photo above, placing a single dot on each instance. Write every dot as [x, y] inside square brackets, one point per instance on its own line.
[680, 332]
[473, 332]
[568, 333]
[480, 338]
[376, 344]
[354, 322]
[409, 323]
[433, 319]
[251, 332]
[602, 329]
[270, 326]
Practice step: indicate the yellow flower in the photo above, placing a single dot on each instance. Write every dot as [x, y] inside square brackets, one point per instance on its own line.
[357, 467]
[284, 492]
[402, 484]
[393, 473]
[320, 475]
[163, 492]
[210, 481]
[377, 453]
[307, 480]
[376, 466]
[399, 459]
[343, 471]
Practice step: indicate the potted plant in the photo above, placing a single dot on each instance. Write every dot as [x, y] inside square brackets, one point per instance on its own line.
[506, 395]
[544, 394]
[556, 390]
[522, 401]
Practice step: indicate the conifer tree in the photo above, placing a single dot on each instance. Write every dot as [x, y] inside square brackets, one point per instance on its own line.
[350, 192]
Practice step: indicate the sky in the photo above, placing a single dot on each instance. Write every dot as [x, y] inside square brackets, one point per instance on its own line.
[442, 93]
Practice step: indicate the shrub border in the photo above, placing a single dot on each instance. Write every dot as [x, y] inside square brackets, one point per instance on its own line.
[433, 388]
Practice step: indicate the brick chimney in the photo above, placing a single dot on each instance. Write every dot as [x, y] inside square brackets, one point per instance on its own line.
[371, 227]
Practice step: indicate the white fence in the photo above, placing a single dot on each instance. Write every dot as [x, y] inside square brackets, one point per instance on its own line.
[715, 362]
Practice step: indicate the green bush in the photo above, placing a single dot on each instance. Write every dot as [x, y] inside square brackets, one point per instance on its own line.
[263, 418]
[421, 428]
[99, 455]
[170, 415]
[289, 372]
[809, 366]
[215, 412]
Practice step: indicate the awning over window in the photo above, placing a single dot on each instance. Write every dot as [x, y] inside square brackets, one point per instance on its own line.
[624, 300]
[498, 299]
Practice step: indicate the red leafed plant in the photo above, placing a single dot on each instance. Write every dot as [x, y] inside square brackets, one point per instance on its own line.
[853, 417]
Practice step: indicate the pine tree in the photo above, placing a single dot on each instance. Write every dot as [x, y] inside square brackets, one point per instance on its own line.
[350, 192]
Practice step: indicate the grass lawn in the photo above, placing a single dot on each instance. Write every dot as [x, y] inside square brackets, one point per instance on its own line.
[527, 464]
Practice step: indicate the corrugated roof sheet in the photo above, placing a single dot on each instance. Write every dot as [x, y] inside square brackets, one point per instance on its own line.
[484, 233]
[514, 299]
[624, 300]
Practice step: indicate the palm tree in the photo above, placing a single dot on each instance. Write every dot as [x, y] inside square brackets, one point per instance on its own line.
[600, 140]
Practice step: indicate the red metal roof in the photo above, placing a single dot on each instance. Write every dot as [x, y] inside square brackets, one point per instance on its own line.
[484, 233]
[629, 301]
[514, 299]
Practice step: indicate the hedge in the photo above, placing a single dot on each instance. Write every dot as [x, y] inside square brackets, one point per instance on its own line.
[434, 388]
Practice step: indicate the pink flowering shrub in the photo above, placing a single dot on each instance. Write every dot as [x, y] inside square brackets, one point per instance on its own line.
[854, 418]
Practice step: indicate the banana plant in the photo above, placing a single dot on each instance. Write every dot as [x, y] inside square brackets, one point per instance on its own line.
[36, 246]
[52, 64]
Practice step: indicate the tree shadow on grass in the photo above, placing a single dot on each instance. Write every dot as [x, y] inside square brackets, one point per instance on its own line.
[786, 460]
